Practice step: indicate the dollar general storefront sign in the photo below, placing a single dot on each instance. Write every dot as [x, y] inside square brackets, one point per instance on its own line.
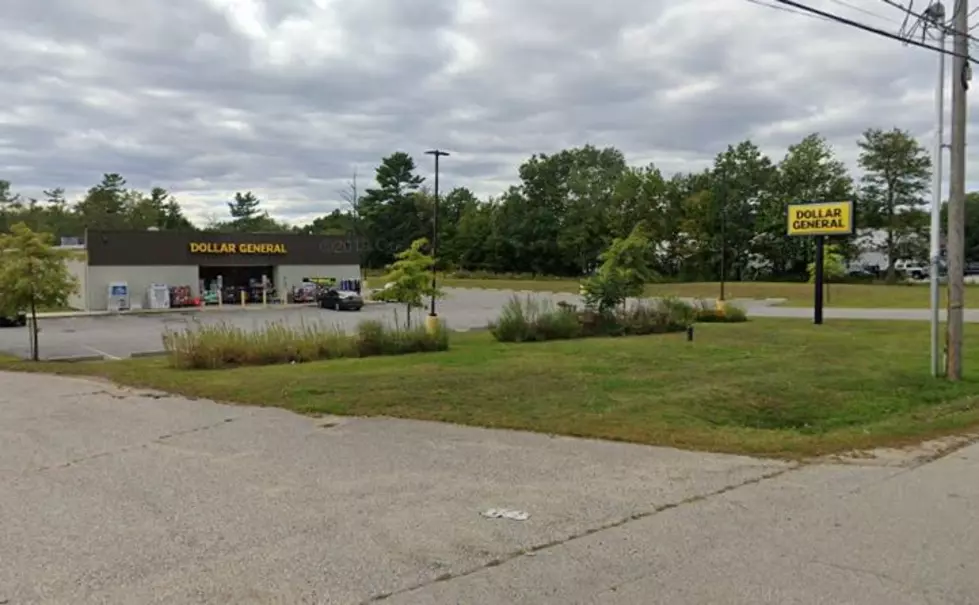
[826, 218]
[233, 248]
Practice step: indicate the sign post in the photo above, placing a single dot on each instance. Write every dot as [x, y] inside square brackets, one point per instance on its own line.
[817, 307]
[819, 219]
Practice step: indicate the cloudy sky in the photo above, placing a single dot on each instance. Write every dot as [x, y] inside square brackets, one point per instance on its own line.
[288, 97]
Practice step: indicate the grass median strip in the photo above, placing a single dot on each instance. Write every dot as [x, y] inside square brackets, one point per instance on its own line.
[770, 387]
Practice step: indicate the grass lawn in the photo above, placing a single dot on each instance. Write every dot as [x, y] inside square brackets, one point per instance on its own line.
[770, 387]
[863, 296]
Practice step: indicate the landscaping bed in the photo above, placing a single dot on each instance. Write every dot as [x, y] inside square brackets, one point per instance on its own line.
[532, 319]
[216, 346]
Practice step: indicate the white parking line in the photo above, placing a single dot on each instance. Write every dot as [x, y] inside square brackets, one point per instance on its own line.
[102, 353]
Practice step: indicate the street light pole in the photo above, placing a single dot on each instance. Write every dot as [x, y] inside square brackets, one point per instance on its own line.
[936, 18]
[438, 153]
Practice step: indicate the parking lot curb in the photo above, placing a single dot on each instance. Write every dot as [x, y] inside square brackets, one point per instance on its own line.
[75, 358]
[148, 354]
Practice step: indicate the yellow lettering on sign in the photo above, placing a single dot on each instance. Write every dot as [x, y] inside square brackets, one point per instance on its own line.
[232, 248]
[212, 248]
[828, 218]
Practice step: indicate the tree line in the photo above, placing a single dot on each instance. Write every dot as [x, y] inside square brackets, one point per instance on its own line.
[566, 208]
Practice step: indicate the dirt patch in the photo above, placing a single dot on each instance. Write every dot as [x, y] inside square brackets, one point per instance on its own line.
[911, 455]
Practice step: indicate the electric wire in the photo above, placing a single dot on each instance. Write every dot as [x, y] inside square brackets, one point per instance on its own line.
[860, 9]
[787, 10]
[868, 28]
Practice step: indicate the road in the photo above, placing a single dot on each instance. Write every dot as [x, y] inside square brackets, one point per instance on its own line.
[120, 336]
[109, 495]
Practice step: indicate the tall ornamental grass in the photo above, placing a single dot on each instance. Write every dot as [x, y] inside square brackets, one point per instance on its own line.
[223, 345]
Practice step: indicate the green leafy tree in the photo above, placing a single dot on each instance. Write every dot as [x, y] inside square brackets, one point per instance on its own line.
[392, 218]
[741, 181]
[971, 225]
[104, 206]
[623, 274]
[33, 275]
[809, 172]
[245, 211]
[897, 173]
[834, 264]
[409, 278]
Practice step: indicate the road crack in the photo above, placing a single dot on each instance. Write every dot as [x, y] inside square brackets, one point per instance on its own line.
[533, 550]
[156, 441]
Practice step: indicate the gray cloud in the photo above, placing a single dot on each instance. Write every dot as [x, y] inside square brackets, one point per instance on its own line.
[288, 97]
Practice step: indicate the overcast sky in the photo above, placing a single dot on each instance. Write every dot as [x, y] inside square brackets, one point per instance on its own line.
[288, 97]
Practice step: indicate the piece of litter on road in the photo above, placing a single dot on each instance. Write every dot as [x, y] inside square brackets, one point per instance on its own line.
[504, 513]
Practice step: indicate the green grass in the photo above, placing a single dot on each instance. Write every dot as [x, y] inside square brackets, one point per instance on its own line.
[861, 296]
[768, 387]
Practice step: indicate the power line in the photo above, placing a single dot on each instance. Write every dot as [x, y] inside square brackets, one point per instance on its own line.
[908, 11]
[860, 9]
[868, 28]
[924, 17]
[787, 10]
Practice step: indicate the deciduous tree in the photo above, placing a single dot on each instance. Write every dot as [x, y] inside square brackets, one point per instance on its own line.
[897, 172]
[409, 278]
[33, 275]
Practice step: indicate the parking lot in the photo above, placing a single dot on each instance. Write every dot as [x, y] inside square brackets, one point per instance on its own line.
[123, 335]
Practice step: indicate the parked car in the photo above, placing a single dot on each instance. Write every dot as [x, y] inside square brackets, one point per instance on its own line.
[863, 271]
[339, 300]
[18, 320]
[915, 271]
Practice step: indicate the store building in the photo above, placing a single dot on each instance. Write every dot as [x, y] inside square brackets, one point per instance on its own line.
[195, 263]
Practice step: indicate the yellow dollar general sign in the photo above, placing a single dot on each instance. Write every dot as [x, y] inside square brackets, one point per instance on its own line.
[823, 218]
[233, 248]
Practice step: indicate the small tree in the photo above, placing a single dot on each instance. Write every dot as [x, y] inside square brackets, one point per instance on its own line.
[623, 273]
[409, 278]
[32, 274]
[834, 266]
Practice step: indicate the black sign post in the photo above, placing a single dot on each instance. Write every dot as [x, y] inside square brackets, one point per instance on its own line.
[817, 307]
[818, 220]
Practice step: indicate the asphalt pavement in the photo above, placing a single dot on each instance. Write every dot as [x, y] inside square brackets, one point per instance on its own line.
[110, 495]
[123, 335]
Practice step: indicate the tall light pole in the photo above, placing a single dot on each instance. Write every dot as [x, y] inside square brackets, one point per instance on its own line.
[936, 18]
[438, 153]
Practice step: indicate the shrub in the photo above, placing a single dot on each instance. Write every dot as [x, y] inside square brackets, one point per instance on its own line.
[531, 319]
[224, 345]
[725, 312]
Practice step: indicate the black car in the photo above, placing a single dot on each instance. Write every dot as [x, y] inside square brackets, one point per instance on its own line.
[339, 300]
[18, 320]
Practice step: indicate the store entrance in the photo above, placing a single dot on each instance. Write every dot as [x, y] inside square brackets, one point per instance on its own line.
[235, 281]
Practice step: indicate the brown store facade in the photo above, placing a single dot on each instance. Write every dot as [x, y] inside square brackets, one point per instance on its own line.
[200, 261]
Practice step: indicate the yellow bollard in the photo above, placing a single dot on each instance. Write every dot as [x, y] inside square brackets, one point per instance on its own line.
[432, 324]
[243, 298]
[721, 307]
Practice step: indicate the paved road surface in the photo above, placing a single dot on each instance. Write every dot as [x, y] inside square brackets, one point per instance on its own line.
[112, 496]
[123, 335]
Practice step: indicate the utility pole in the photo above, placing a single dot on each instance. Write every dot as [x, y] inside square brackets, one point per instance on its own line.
[956, 203]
